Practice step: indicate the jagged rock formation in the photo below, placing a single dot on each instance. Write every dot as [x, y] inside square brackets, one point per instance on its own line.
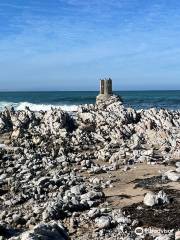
[45, 153]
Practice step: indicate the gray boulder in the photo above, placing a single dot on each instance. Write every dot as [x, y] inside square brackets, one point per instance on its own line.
[44, 231]
[103, 222]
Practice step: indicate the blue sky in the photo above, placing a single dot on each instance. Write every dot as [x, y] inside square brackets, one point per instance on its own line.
[70, 44]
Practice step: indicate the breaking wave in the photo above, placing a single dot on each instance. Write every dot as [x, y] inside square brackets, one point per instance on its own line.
[37, 107]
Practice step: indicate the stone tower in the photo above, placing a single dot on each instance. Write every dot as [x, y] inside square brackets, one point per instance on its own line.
[106, 95]
[105, 89]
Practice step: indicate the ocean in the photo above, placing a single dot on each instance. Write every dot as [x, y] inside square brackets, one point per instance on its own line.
[69, 100]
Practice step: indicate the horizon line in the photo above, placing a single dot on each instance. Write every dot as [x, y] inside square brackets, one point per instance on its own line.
[137, 90]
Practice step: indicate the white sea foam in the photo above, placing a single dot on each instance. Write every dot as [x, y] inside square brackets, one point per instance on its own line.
[37, 107]
[4, 104]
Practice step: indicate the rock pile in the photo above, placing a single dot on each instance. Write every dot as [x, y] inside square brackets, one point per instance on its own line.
[46, 153]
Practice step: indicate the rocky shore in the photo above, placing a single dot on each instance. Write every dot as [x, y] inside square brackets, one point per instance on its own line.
[57, 171]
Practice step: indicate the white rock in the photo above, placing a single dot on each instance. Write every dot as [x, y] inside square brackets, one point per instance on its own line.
[150, 199]
[16, 133]
[76, 190]
[177, 164]
[126, 168]
[103, 222]
[2, 146]
[177, 235]
[123, 220]
[173, 176]
[163, 237]
[2, 124]
[48, 231]
[94, 212]
[16, 217]
[3, 176]
[162, 198]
